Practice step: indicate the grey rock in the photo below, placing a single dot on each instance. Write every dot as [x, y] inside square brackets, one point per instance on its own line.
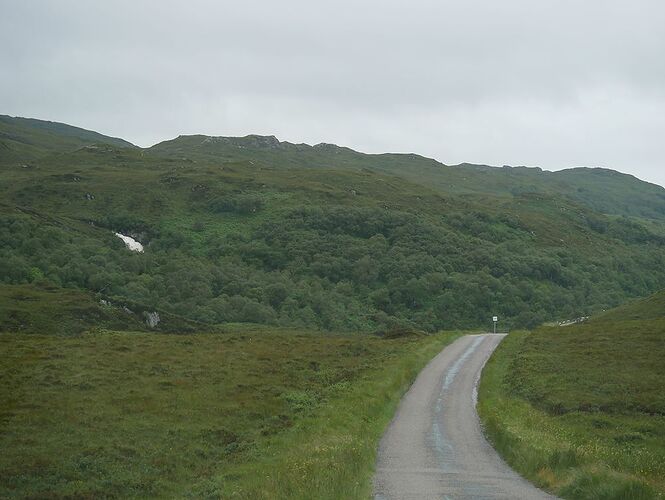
[152, 319]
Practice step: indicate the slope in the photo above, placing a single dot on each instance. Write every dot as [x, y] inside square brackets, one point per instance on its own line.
[256, 230]
[24, 139]
[600, 189]
[595, 390]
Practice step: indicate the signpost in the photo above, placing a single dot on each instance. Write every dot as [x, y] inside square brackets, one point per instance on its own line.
[495, 319]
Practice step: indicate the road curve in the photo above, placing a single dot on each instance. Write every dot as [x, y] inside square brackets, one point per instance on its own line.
[434, 446]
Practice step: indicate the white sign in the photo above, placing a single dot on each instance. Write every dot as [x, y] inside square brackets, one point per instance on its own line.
[495, 318]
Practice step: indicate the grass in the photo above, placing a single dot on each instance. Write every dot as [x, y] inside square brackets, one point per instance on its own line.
[580, 410]
[31, 309]
[47, 309]
[257, 413]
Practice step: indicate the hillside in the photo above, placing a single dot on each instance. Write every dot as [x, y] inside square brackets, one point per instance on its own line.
[257, 230]
[611, 363]
[649, 308]
[42, 308]
[614, 193]
[600, 189]
[595, 390]
[25, 139]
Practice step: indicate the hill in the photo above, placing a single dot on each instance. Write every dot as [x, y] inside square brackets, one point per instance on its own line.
[600, 189]
[595, 390]
[649, 308]
[25, 139]
[258, 230]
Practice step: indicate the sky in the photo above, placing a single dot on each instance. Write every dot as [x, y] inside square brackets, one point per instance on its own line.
[548, 83]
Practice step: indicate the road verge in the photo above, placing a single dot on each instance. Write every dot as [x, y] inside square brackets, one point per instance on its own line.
[555, 452]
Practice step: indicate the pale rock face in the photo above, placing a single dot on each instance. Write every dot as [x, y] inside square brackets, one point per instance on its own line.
[131, 243]
[573, 321]
[152, 319]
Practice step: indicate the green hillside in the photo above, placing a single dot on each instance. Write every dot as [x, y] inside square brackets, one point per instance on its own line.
[24, 139]
[650, 308]
[257, 230]
[600, 189]
[595, 390]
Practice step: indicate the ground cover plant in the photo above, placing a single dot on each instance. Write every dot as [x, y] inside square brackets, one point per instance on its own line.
[261, 231]
[580, 409]
[41, 307]
[251, 413]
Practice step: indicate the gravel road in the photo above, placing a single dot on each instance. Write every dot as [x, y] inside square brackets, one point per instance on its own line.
[434, 447]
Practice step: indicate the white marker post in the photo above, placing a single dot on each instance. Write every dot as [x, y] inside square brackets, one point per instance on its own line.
[495, 319]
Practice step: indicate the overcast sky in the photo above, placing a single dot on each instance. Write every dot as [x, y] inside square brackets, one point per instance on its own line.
[549, 83]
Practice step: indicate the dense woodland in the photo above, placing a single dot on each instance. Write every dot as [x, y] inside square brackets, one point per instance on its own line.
[254, 230]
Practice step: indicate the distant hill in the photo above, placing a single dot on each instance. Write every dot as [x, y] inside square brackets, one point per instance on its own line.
[254, 229]
[614, 193]
[27, 138]
[601, 189]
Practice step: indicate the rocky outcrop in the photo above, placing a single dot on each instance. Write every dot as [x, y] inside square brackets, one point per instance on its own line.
[151, 318]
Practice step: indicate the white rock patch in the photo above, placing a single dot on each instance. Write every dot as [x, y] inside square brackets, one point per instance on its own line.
[152, 319]
[130, 242]
[573, 321]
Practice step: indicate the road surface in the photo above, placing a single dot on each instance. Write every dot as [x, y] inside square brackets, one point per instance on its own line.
[434, 447]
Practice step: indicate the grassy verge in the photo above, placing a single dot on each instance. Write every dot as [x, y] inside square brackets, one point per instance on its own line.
[255, 414]
[559, 405]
